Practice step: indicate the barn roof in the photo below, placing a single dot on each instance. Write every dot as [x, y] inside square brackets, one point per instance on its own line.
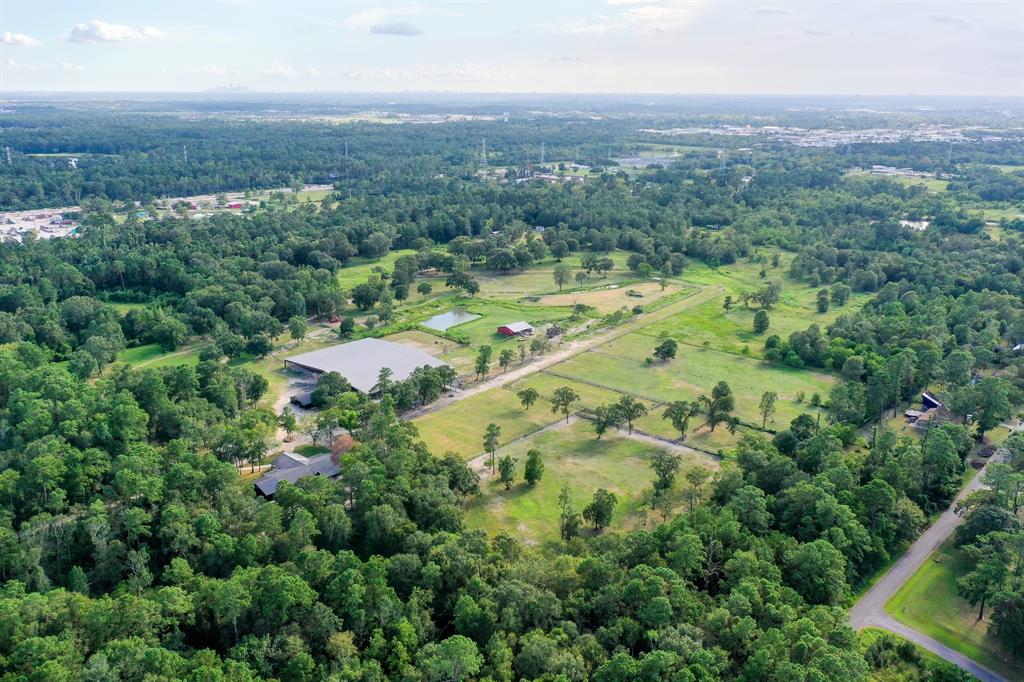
[360, 362]
[517, 327]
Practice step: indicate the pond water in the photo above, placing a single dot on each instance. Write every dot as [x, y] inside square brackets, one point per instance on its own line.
[447, 320]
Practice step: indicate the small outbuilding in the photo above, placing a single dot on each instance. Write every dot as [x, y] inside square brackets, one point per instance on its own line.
[930, 401]
[516, 329]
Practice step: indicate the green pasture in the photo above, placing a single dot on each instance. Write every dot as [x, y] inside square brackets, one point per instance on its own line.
[571, 456]
[152, 355]
[360, 269]
[459, 427]
[620, 366]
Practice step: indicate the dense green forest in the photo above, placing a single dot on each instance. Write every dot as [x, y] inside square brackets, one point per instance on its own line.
[133, 550]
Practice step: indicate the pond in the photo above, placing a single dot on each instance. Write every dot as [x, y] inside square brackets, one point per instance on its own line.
[447, 320]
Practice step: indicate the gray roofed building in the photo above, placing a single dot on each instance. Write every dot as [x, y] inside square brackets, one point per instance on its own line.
[360, 362]
[293, 467]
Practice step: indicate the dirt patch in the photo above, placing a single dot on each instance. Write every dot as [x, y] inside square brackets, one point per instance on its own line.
[611, 298]
[422, 341]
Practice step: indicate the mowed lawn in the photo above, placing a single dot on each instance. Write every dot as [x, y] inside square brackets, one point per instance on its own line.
[152, 355]
[571, 456]
[929, 602]
[590, 396]
[459, 427]
[493, 314]
[361, 268]
[733, 331]
[620, 366]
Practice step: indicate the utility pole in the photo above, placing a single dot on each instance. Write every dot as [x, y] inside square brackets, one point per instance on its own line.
[542, 153]
[483, 151]
[8, 151]
[184, 150]
[346, 149]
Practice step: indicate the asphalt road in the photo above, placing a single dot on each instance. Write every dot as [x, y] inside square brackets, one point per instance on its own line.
[869, 611]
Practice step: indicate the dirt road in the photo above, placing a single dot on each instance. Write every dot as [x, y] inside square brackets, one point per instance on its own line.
[869, 611]
[567, 351]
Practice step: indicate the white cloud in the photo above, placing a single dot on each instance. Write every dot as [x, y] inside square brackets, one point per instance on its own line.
[97, 31]
[948, 20]
[643, 15]
[277, 70]
[662, 18]
[770, 10]
[390, 20]
[396, 28]
[19, 39]
[71, 67]
[208, 70]
[17, 66]
[314, 72]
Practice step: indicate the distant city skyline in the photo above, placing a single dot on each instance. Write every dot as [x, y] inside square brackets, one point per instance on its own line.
[590, 46]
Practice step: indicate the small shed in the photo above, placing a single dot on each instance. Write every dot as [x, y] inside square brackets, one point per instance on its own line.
[516, 329]
[930, 401]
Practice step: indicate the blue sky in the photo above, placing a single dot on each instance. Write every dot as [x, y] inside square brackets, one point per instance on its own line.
[622, 46]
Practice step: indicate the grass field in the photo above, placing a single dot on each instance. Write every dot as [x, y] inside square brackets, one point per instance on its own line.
[459, 428]
[620, 366]
[571, 455]
[493, 314]
[929, 602]
[932, 184]
[997, 214]
[360, 268]
[732, 331]
[152, 355]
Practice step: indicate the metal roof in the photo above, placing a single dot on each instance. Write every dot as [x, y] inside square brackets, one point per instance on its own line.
[321, 465]
[517, 327]
[361, 361]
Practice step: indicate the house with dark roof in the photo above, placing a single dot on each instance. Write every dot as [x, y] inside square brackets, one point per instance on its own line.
[293, 467]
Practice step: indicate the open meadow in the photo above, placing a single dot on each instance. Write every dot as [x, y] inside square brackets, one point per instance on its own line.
[573, 457]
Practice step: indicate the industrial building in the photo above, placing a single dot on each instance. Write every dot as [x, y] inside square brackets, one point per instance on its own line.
[360, 362]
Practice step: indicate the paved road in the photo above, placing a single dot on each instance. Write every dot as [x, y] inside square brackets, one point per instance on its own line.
[869, 611]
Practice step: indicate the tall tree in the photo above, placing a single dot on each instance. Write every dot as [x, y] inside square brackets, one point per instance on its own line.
[767, 406]
[629, 410]
[527, 397]
[562, 401]
[491, 438]
[679, 414]
[534, 469]
[599, 511]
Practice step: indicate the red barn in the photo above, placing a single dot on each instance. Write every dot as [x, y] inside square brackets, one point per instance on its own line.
[515, 329]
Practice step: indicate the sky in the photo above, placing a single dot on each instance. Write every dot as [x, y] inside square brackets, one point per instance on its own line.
[585, 46]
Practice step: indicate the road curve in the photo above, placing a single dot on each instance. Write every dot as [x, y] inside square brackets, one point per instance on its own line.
[869, 611]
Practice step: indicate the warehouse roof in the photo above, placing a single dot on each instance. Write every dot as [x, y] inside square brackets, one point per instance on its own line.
[361, 361]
